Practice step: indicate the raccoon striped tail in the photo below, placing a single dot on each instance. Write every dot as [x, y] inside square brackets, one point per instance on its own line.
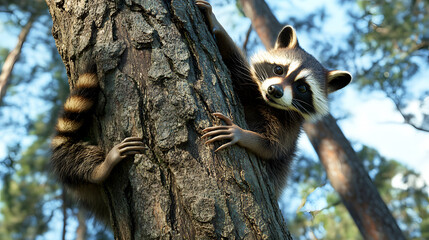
[77, 109]
[72, 159]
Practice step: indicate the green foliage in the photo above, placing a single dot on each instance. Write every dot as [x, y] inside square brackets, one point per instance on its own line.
[403, 190]
[330, 222]
[390, 45]
[27, 189]
[28, 192]
[395, 34]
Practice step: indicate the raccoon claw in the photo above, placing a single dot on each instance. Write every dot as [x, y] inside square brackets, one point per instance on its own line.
[204, 5]
[230, 132]
[129, 146]
[206, 9]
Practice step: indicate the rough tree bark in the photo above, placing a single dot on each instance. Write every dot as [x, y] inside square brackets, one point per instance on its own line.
[344, 169]
[161, 77]
[12, 58]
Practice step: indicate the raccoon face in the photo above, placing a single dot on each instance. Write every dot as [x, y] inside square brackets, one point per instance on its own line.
[291, 79]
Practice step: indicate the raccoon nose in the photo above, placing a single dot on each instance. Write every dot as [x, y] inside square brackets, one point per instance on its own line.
[275, 91]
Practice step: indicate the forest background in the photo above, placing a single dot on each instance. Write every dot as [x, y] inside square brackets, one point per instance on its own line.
[384, 113]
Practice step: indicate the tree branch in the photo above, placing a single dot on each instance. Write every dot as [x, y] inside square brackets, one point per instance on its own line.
[405, 116]
[12, 58]
[246, 40]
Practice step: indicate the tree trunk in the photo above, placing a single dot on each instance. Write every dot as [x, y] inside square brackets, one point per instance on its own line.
[161, 77]
[349, 178]
[344, 169]
[64, 209]
[12, 58]
[81, 228]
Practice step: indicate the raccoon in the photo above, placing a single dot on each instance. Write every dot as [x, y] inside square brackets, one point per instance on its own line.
[279, 90]
[79, 166]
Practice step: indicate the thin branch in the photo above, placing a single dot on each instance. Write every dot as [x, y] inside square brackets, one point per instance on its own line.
[246, 40]
[396, 100]
[13, 57]
[364, 71]
[421, 46]
[6, 11]
[406, 119]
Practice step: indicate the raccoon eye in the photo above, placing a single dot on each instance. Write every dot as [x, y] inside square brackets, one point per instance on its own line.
[278, 70]
[302, 88]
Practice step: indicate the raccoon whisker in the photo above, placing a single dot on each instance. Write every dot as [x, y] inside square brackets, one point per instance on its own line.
[263, 76]
[244, 68]
[300, 101]
[261, 71]
[297, 105]
[243, 72]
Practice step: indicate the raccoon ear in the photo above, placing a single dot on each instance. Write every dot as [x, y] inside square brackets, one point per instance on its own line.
[338, 79]
[287, 38]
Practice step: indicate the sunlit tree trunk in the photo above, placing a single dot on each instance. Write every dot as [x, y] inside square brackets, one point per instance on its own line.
[161, 77]
[12, 58]
[345, 171]
[81, 228]
[349, 178]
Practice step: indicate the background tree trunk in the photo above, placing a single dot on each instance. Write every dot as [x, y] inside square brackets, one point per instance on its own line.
[81, 228]
[161, 77]
[64, 209]
[12, 58]
[344, 169]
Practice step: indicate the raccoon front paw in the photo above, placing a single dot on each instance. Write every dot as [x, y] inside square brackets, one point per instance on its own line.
[230, 132]
[129, 146]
